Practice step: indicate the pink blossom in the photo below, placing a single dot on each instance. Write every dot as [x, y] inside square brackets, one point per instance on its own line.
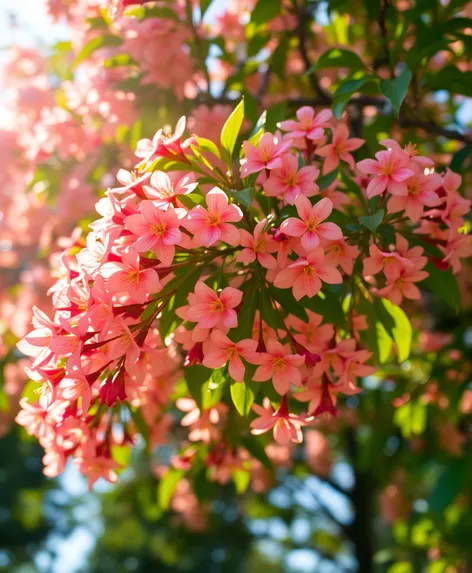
[312, 334]
[128, 277]
[290, 181]
[209, 309]
[286, 426]
[392, 263]
[222, 350]
[164, 188]
[309, 125]
[266, 155]
[339, 148]
[215, 223]
[390, 170]
[156, 230]
[341, 253]
[306, 273]
[258, 247]
[278, 365]
[421, 192]
[403, 286]
[161, 145]
[310, 228]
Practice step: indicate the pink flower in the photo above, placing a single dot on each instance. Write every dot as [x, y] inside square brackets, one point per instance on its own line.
[258, 247]
[210, 310]
[161, 145]
[164, 188]
[390, 170]
[340, 253]
[266, 155]
[286, 426]
[279, 366]
[310, 228]
[214, 224]
[392, 263]
[458, 248]
[312, 334]
[157, 230]
[305, 275]
[128, 277]
[421, 191]
[290, 181]
[309, 125]
[339, 148]
[222, 350]
[403, 286]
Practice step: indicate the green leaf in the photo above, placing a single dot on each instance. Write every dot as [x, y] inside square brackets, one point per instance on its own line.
[121, 455]
[338, 105]
[243, 197]
[459, 158]
[208, 146]
[350, 86]
[443, 284]
[241, 479]
[372, 222]
[279, 58]
[401, 330]
[449, 484]
[204, 5]
[401, 567]
[265, 10]
[254, 446]
[95, 44]
[327, 305]
[337, 58]
[246, 317]
[167, 486]
[140, 423]
[288, 302]
[145, 12]
[325, 180]
[195, 378]
[411, 418]
[230, 131]
[190, 200]
[395, 90]
[243, 397]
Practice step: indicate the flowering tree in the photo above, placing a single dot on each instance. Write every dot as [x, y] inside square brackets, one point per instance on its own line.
[273, 283]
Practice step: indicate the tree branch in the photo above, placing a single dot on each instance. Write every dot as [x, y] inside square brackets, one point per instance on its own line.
[435, 129]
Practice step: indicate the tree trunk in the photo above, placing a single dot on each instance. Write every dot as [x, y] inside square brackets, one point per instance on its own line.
[361, 530]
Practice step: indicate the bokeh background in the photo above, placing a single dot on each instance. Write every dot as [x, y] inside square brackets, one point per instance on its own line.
[310, 521]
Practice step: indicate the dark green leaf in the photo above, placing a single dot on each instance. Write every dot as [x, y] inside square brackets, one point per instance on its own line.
[444, 284]
[245, 318]
[265, 10]
[257, 451]
[337, 58]
[448, 485]
[288, 303]
[140, 423]
[371, 222]
[195, 378]
[279, 58]
[325, 180]
[396, 89]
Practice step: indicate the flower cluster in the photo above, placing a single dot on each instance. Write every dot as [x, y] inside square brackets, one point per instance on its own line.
[255, 287]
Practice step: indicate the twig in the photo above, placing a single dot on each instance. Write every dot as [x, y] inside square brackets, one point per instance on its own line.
[435, 129]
